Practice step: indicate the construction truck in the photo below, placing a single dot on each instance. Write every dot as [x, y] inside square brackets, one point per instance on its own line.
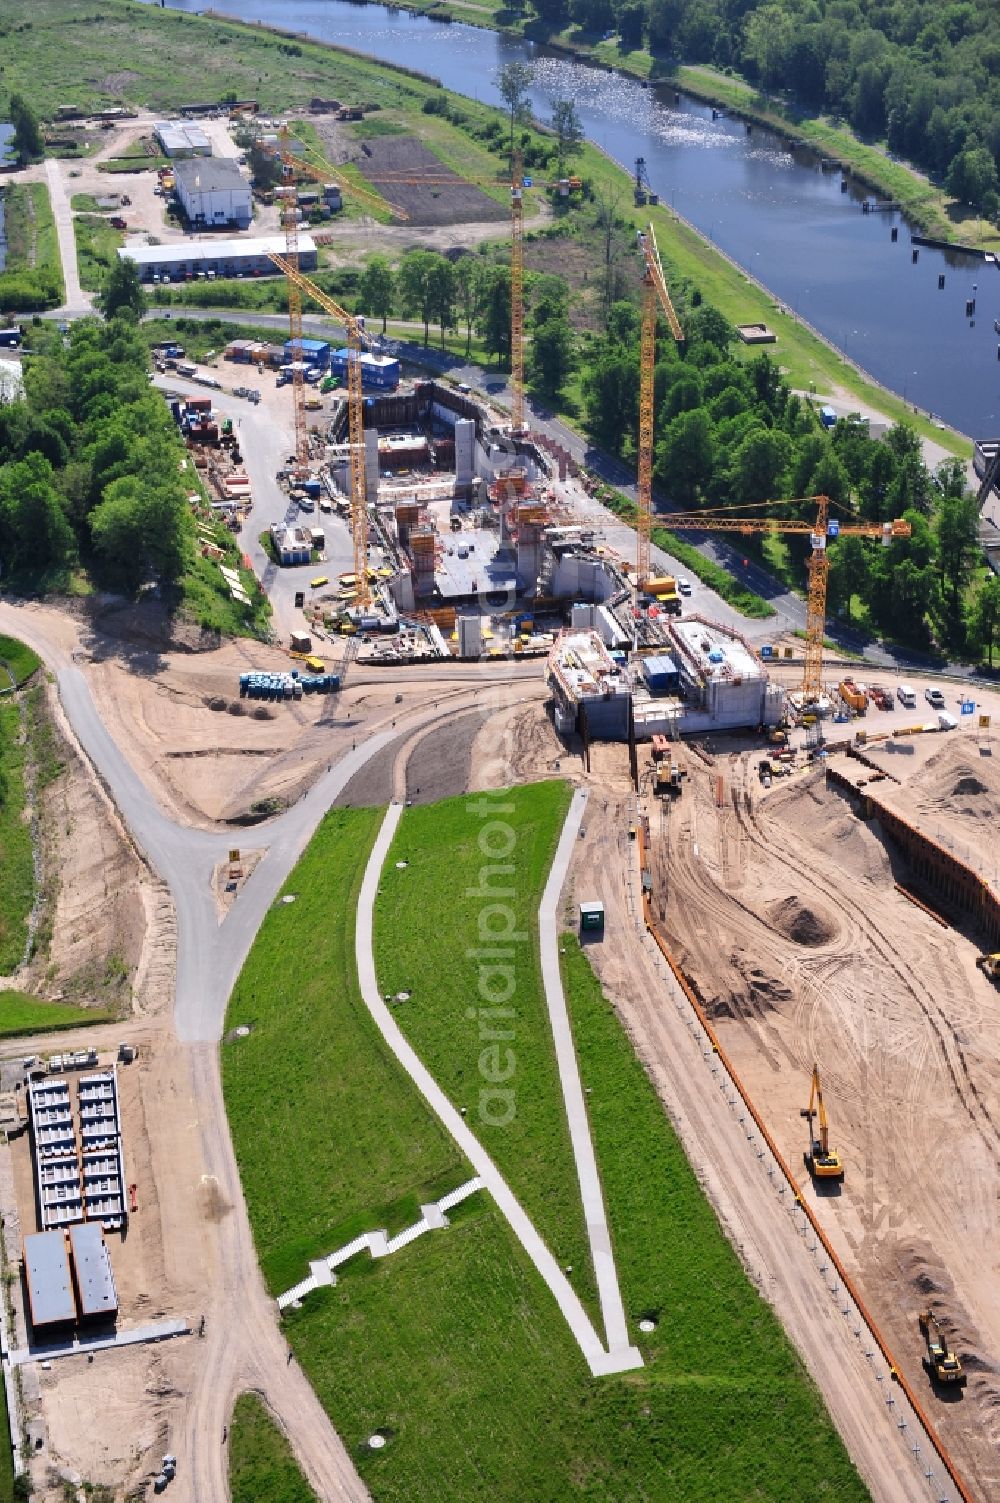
[941, 1364]
[990, 967]
[820, 1159]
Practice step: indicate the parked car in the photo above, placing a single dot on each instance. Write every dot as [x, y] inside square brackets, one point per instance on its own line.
[935, 698]
[684, 586]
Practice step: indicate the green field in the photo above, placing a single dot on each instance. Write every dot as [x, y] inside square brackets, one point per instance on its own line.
[97, 244]
[17, 872]
[20, 1014]
[426, 923]
[262, 1468]
[367, 1152]
[32, 276]
[19, 659]
[452, 1348]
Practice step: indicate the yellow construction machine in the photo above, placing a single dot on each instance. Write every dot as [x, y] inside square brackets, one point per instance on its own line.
[821, 1161]
[940, 1363]
[990, 967]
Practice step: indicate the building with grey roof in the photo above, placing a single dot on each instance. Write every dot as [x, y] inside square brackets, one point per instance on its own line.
[179, 138]
[96, 1293]
[51, 1299]
[213, 191]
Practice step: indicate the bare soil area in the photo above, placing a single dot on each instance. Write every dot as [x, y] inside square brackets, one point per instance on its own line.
[449, 199]
[783, 911]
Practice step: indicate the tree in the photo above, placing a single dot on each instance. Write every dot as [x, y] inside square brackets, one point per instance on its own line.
[514, 81]
[611, 396]
[441, 292]
[957, 546]
[551, 354]
[122, 291]
[378, 289]
[684, 455]
[28, 141]
[265, 167]
[984, 622]
[416, 285]
[467, 294]
[35, 537]
[568, 131]
[972, 176]
[850, 574]
[493, 312]
[610, 223]
[759, 465]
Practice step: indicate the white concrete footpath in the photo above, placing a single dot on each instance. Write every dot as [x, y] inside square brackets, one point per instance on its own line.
[595, 1215]
[598, 1360]
[433, 1218]
[77, 301]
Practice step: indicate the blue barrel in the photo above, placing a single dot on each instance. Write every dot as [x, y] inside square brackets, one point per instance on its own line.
[309, 685]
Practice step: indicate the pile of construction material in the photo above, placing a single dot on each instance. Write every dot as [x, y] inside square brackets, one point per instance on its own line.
[291, 685]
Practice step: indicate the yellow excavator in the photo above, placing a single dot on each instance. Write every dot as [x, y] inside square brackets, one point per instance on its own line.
[940, 1363]
[821, 1161]
[990, 967]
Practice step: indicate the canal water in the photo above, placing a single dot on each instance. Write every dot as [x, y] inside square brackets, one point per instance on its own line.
[774, 209]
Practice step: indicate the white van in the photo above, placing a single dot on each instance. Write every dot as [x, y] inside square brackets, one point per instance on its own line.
[907, 696]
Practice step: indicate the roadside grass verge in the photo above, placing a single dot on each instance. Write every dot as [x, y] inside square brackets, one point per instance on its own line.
[31, 280]
[261, 1464]
[6, 1459]
[431, 919]
[19, 659]
[22, 1014]
[17, 871]
[97, 244]
[452, 1348]
[330, 1137]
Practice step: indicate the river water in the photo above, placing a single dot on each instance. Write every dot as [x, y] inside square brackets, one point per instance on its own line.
[773, 209]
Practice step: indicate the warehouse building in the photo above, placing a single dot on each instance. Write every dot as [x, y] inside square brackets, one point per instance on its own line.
[51, 1300]
[213, 191]
[215, 258]
[179, 138]
[93, 1278]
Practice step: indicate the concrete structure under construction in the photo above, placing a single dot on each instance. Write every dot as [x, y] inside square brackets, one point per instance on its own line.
[94, 1281]
[79, 1163]
[587, 686]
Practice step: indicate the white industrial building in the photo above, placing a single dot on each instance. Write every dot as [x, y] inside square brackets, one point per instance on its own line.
[186, 259]
[179, 138]
[213, 191]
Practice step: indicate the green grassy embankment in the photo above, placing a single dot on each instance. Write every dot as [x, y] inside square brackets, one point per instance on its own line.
[19, 660]
[97, 244]
[366, 1152]
[24, 1014]
[32, 277]
[262, 1468]
[452, 1348]
[425, 941]
[17, 872]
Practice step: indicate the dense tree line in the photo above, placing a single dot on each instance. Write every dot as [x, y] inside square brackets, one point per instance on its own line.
[922, 74]
[90, 465]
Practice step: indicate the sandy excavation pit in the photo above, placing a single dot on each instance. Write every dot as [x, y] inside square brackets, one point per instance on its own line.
[783, 911]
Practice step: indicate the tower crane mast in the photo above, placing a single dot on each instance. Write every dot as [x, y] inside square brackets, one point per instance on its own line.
[356, 339]
[654, 297]
[715, 520]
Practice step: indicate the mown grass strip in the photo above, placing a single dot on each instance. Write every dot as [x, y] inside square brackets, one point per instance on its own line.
[331, 1138]
[261, 1464]
[17, 871]
[477, 1014]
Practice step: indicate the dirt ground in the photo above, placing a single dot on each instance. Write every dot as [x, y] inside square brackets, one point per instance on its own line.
[385, 158]
[783, 911]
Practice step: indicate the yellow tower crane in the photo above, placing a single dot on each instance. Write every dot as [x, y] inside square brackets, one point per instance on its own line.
[654, 297]
[356, 339]
[295, 164]
[716, 520]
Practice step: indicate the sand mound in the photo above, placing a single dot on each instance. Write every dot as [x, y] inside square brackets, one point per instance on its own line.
[802, 925]
[969, 785]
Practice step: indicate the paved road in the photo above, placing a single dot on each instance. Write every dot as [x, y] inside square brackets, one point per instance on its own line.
[595, 1215]
[599, 1360]
[78, 303]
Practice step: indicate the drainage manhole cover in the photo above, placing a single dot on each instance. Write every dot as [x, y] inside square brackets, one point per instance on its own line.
[645, 1326]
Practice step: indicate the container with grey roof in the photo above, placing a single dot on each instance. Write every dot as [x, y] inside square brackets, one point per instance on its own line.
[51, 1299]
[92, 1272]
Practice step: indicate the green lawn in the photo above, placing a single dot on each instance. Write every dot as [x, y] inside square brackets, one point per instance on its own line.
[366, 1151]
[97, 244]
[32, 277]
[427, 925]
[19, 659]
[21, 1013]
[452, 1348]
[17, 872]
[262, 1468]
